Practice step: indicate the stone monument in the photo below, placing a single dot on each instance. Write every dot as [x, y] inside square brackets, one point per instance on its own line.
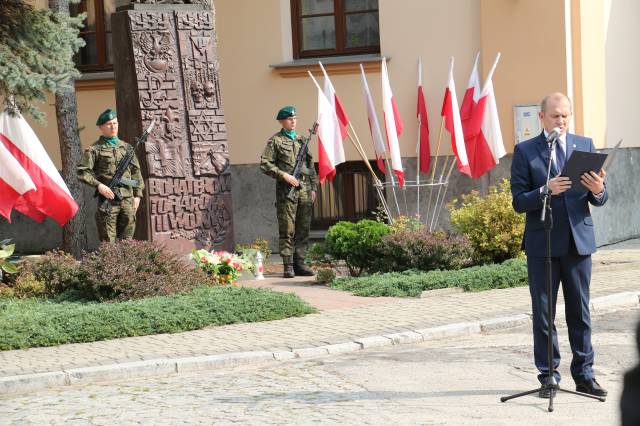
[166, 69]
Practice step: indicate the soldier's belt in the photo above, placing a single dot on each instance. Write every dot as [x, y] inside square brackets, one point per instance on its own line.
[126, 182]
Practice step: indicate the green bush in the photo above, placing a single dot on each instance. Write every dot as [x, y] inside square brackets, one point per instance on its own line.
[422, 250]
[27, 285]
[6, 292]
[356, 243]
[325, 275]
[511, 273]
[318, 255]
[494, 229]
[36, 322]
[131, 269]
[55, 270]
[406, 223]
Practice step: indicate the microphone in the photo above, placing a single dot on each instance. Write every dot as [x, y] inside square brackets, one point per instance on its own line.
[555, 132]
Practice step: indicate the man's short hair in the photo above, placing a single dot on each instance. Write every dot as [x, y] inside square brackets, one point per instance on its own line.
[543, 103]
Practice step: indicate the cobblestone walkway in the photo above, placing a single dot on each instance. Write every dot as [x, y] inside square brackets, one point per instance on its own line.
[616, 269]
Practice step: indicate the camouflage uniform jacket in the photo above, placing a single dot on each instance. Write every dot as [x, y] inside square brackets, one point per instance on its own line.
[99, 163]
[279, 157]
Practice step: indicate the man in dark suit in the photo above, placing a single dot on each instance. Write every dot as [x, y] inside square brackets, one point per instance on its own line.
[572, 241]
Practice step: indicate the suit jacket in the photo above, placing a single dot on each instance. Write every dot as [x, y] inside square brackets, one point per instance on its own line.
[571, 213]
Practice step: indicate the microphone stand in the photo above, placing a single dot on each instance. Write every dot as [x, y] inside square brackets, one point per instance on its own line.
[547, 218]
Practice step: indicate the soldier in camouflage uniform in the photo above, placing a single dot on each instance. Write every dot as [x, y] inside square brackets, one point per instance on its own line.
[97, 167]
[294, 217]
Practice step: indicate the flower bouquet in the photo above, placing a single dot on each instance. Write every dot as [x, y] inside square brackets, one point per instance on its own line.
[224, 267]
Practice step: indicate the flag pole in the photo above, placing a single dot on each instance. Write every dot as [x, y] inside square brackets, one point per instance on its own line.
[435, 165]
[446, 186]
[386, 157]
[373, 120]
[376, 181]
[440, 183]
[358, 148]
[362, 154]
[418, 144]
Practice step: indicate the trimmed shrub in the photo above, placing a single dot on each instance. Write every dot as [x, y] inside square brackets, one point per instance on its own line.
[494, 229]
[6, 292]
[422, 250]
[27, 285]
[131, 269]
[325, 275]
[356, 243]
[56, 270]
[406, 223]
[511, 273]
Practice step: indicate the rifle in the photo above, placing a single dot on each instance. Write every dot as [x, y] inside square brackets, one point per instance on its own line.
[118, 180]
[297, 170]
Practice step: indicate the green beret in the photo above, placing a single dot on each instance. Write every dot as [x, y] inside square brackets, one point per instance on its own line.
[286, 112]
[107, 115]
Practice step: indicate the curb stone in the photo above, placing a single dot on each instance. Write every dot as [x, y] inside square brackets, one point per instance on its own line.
[450, 330]
[207, 362]
[32, 382]
[88, 375]
[504, 322]
[154, 367]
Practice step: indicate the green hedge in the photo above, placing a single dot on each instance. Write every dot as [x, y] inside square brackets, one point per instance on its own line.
[511, 273]
[36, 322]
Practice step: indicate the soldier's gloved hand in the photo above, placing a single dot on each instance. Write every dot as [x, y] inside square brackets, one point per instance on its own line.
[289, 179]
[313, 197]
[105, 191]
[136, 203]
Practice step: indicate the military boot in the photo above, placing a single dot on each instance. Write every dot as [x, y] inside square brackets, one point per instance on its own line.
[301, 269]
[288, 271]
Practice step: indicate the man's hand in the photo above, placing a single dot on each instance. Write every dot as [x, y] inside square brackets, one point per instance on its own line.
[136, 203]
[290, 179]
[559, 184]
[313, 197]
[594, 181]
[105, 191]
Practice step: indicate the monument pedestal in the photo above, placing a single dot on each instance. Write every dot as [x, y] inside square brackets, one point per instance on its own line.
[166, 69]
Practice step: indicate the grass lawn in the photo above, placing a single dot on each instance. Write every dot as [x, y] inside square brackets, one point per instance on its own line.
[28, 323]
[511, 273]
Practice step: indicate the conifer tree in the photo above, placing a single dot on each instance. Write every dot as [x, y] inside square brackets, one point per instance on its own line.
[36, 54]
[36, 58]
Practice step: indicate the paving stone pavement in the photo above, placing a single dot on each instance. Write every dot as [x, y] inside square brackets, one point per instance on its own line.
[443, 382]
[616, 270]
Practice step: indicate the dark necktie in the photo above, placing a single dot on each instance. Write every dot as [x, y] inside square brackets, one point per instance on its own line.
[560, 157]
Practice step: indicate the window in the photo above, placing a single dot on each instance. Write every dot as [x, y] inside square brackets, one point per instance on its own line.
[351, 196]
[97, 55]
[334, 27]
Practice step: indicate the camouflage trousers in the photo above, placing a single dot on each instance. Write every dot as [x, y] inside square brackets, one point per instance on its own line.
[119, 223]
[294, 222]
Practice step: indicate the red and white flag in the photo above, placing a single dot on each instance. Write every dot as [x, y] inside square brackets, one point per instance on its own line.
[374, 125]
[471, 113]
[487, 145]
[330, 150]
[334, 100]
[51, 197]
[393, 123]
[452, 123]
[14, 182]
[423, 149]
[471, 97]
